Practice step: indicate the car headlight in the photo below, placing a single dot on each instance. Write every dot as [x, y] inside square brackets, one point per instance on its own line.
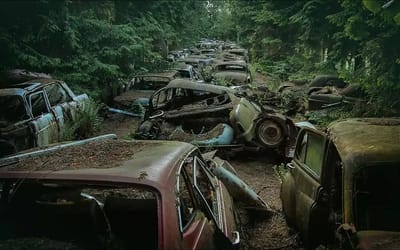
[269, 133]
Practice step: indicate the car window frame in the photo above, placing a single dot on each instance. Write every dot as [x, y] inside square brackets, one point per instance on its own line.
[302, 162]
[188, 184]
[41, 92]
[155, 104]
[195, 160]
[199, 163]
[60, 86]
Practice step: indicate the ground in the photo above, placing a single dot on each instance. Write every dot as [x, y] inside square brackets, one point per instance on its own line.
[259, 231]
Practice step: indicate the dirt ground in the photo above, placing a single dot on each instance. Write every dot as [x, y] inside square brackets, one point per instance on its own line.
[258, 231]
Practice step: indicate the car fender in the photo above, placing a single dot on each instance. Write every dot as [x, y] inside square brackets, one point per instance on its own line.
[287, 193]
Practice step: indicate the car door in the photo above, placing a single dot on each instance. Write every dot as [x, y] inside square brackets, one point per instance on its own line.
[306, 169]
[198, 208]
[61, 105]
[44, 122]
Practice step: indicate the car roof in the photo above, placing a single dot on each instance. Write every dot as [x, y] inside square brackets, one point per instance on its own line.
[30, 85]
[149, 163]
[183, 66]
[187, 84]
[238, 62]
[162, 75]
[364, 141]
[12, 91]
[21, 88]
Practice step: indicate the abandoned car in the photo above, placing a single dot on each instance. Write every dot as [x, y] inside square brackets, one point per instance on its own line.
[187, 71]
[324, 91]
[129, 195]
[211, 116]
[238, 54]
[231, 73]
[142, 88]
[34, 113]
[338, 190]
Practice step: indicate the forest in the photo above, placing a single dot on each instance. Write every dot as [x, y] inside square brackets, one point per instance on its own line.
[94, 45]
[275, 124]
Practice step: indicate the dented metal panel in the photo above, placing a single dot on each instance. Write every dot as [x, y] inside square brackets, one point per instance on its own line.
[39, 123]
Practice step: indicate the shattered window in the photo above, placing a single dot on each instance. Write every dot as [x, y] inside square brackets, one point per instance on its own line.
[71, 216]
[57, 95]
[38, 104]
[12, 109]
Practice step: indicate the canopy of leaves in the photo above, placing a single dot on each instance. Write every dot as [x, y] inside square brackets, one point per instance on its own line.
[92, 44]
[358, 40]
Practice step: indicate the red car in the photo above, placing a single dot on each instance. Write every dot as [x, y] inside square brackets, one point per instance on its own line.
[112, 194]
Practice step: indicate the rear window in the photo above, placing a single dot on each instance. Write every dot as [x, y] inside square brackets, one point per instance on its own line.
[12, 109]
[51, 215]
[376, 202]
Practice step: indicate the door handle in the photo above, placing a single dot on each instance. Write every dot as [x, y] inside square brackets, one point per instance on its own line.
[290, 165]
[236, 238]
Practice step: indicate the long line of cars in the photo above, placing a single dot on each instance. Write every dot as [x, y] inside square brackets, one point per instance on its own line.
[336, 190]
[104, 192]
[167, 194]
[215, 110]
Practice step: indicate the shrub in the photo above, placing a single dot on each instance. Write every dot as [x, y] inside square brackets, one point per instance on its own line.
[86, 121]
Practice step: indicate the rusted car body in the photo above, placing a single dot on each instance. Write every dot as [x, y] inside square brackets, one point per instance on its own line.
[238, 53]
[197, 61]
[338, 190]
[142, 87]
[232, 73]
[151, 195]
[194, 112]
[187, 71]
[34, 113]
[322, 92]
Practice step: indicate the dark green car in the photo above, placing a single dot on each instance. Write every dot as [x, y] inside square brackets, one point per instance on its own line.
[340, 189]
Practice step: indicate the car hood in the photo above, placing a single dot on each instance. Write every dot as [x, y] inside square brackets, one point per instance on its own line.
[232, 76]
[378, 240]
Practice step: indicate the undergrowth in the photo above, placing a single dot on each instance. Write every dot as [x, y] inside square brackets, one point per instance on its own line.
[85, 122]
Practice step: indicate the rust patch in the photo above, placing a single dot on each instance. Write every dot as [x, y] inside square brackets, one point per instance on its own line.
[99, 154]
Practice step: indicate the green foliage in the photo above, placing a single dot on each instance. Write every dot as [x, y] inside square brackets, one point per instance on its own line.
[322, 118]
[94, 44]
[86, 121]
[372, 5]
[292, 39]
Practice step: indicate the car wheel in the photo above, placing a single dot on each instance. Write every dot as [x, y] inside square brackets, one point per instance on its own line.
[269, 133]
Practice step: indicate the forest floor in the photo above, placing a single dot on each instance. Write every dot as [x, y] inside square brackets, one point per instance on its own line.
[259, 171]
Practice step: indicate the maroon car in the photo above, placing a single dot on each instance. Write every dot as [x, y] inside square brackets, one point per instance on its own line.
[113, 194]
